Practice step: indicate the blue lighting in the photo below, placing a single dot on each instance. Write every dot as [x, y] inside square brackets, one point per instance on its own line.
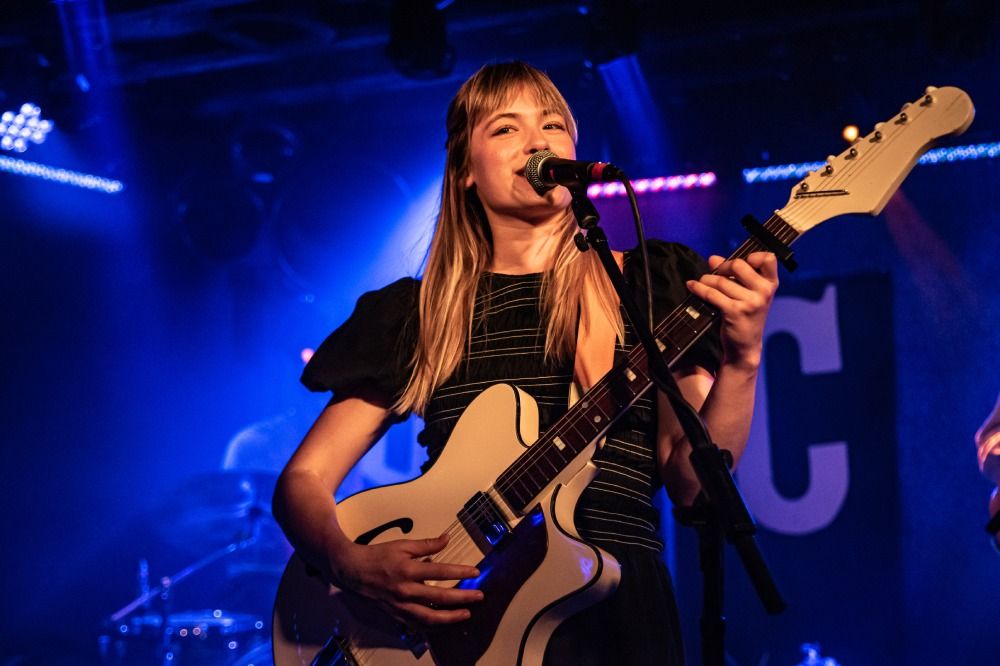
[64, 176]
[476, 583]
[640, 118]
[812, 657]
[780, 172]
[978, 151]
[495, 532]
[20, 128]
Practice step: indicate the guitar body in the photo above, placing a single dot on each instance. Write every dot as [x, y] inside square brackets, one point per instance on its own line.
[539, 574]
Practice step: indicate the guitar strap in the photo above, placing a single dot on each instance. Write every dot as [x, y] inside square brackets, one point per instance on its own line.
[595, 341]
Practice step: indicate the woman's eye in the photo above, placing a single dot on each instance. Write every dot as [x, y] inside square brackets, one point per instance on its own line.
[557, 126]
[506, 129]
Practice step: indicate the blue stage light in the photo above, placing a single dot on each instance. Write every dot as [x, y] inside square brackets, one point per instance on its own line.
[56, 175]
[979, 151]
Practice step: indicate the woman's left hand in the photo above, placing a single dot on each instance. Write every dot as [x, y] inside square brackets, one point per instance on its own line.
[742, 291]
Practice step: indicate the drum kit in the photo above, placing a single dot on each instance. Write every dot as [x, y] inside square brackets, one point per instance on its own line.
[226, 517]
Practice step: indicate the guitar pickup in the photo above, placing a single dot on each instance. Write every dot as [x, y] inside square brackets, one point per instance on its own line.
[484, 522]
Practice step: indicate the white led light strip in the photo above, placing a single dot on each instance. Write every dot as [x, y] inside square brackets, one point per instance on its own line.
[64, 176]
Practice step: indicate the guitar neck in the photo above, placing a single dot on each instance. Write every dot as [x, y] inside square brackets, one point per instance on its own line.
[612, 396]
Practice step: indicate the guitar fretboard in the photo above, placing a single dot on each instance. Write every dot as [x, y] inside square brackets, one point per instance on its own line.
[609, 398]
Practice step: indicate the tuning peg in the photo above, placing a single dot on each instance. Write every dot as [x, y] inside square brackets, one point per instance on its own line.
[928, 96]
[878, 132]
[852, 153]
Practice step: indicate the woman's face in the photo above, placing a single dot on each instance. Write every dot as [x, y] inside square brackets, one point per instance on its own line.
[498, 150]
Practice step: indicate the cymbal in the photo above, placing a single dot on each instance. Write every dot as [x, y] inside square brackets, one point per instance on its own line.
[217, 508]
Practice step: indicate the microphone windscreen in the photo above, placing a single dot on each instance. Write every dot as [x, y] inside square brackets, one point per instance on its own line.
[533, 171]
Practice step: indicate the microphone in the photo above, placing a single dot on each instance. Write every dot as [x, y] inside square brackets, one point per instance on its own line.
[545, 170]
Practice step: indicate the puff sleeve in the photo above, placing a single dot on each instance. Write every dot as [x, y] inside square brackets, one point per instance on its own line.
[368, 355]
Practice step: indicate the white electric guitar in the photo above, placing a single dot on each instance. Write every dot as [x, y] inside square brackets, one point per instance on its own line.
[506, 496]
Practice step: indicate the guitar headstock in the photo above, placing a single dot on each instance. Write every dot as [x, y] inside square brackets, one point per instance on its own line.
[862, 178]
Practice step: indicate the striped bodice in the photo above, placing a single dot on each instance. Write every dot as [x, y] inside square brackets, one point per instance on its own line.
[507, 345]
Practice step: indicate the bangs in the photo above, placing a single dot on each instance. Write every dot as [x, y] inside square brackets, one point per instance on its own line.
[496, 86]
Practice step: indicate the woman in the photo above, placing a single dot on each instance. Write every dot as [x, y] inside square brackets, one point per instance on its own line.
[506, 296]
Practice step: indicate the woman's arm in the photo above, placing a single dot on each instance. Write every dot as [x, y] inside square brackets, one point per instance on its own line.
[393, 573]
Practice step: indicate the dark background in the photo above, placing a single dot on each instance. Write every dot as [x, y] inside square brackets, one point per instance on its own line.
[277, 162]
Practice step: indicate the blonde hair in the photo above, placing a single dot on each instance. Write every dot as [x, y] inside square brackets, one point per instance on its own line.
[461, 248]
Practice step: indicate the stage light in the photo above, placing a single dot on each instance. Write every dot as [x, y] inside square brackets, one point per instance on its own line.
[850, 133]
[659, 184]
[977, 151]
[780, 172]
[796, 171]
[20, 128]
[64, 176]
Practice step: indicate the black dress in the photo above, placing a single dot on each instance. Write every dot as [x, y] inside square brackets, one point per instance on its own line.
[367, 356]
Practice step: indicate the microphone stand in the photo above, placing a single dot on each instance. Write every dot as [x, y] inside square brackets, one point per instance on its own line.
[719, 510]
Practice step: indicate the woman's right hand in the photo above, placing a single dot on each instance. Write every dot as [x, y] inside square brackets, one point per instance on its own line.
[396, 573]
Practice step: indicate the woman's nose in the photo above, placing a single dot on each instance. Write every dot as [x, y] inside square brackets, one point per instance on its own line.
[537, 141]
